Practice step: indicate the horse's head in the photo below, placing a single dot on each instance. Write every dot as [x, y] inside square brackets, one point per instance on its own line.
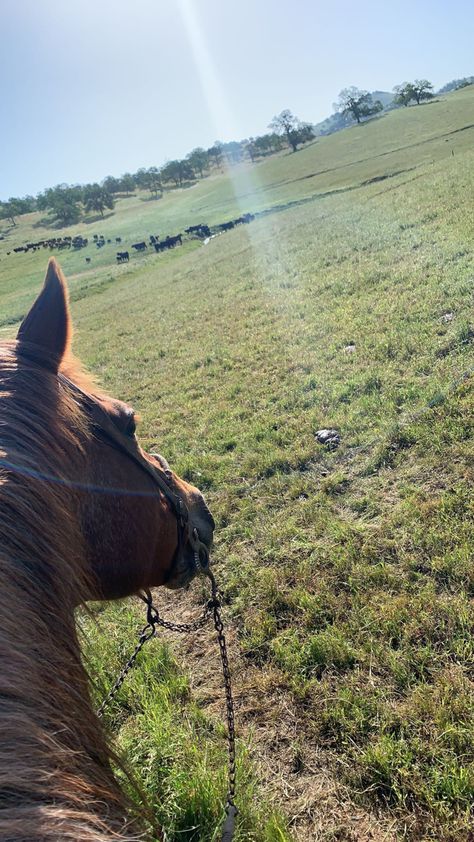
[141, 525]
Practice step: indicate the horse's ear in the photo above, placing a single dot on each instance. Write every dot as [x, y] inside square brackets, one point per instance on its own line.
[48, 324]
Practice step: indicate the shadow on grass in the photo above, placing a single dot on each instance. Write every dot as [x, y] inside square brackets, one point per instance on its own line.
[47, 222]
[89, 220]
[151, 198]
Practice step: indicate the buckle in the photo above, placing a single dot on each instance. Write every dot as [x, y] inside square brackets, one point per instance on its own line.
[182, 512]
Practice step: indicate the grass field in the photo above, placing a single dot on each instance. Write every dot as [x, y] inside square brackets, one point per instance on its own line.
[347, 574]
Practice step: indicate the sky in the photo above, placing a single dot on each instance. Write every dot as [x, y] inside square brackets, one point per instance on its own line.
[92, 88]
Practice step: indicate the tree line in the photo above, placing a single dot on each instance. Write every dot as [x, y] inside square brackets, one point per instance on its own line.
[360, 104]
[66, 203]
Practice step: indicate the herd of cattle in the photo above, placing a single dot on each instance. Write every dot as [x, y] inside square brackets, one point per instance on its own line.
[200, 231]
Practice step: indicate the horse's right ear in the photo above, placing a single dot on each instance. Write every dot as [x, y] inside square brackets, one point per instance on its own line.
[48, 324]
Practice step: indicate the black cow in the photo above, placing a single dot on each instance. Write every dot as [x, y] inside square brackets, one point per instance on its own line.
[123, 257]
[139, 246]
[118, 239]
[201, 230]
[169, 242]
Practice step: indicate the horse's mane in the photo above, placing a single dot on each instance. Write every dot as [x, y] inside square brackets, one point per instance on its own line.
[56, 780]
[75, 371]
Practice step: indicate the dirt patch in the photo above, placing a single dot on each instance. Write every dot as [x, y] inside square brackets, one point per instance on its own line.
[297, 774]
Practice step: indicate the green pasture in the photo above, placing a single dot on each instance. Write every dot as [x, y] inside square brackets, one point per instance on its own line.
[347, 574]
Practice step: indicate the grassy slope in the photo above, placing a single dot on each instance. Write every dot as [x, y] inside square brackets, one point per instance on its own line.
[348, 574]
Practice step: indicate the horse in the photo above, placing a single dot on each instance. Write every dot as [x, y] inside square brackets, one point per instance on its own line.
[85, 514]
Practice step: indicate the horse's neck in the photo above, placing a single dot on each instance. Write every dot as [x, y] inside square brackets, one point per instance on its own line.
[55, 775]
[54, 766]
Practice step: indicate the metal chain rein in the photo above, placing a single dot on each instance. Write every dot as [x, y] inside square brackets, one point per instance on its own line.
[212, 608]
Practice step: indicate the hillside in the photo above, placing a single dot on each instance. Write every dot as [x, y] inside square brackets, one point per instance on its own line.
[385, 97]
[347, 573]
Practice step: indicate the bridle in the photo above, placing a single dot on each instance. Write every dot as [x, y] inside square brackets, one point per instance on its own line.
[105, 428]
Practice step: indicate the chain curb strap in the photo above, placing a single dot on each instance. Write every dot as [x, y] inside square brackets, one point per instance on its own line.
[212, 608]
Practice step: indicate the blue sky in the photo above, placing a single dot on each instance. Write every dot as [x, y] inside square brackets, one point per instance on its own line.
[97, 87]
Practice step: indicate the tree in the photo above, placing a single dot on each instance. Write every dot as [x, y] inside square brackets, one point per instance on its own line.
[27, 204]
[305, 133]
[149, 179]
[111, 184]
[170, 172]
[141, 178]
[250, 148]
[465, 83]
[97, 198]
[186, 172]
[9, 211]
[198, 160]
[16, 206]
[286, 124]
[456, 84]
[66, 210]
[357, 103]
[422, 89]
[233, 151]
[42, 199]
[418, 90]
[215, 152]
[62, 202]
[266, 144]
[177, 171]
[153, 181]
[127, 183]
[403, 94]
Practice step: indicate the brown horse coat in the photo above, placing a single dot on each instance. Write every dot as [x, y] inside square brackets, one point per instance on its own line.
[77, 520]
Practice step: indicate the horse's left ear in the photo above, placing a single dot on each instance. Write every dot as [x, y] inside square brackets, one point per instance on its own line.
[48, 324]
